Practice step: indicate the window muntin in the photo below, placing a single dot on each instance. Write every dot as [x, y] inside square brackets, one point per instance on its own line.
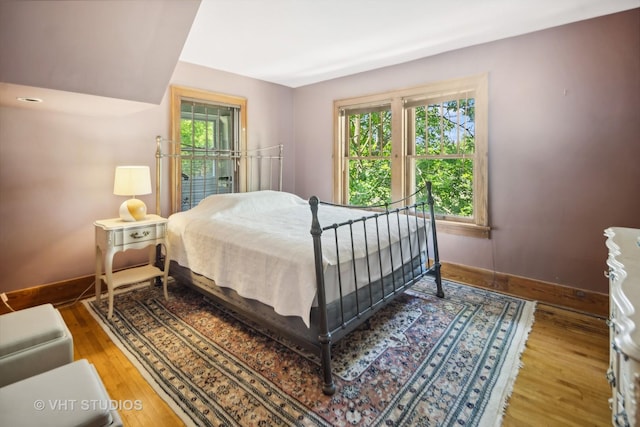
[438, 133]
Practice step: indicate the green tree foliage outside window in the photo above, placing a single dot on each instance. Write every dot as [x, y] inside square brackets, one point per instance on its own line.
[370, 158]
[443, 145]
[444, 148]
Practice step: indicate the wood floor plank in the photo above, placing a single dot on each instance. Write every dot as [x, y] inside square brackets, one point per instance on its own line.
[141, 405]
[563, 378]
[561, 383]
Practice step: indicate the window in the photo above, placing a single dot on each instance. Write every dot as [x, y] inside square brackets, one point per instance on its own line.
[208, 130]
[369, 155]
[388, 145]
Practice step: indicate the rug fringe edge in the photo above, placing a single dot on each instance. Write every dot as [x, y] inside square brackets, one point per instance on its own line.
[528, 318]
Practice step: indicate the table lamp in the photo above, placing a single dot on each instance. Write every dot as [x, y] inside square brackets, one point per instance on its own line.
[132, 181]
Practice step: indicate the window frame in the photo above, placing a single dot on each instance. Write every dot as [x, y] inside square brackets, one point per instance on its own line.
[401, 173]
[179, 93]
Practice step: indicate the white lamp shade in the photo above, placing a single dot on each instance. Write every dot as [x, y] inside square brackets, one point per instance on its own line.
[132, 181]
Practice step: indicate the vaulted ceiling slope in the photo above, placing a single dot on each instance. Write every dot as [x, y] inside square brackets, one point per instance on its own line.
[128, 49]
[117, 49]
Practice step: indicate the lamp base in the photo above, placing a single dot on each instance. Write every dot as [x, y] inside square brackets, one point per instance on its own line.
[133, 210]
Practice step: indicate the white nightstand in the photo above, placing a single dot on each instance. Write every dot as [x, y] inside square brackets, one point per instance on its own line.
[115, 235]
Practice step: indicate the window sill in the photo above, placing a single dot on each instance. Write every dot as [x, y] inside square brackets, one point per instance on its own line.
[463, 229]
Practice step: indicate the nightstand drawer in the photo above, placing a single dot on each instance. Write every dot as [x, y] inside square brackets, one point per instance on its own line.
[139, 234]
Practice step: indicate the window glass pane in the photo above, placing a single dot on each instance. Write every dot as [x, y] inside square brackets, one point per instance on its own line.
[198, 181]
[420, 117]
[450, 128]
[445, 131]
[434, 133]
[467, 125]
[452, 181]
[370, 134]
[206, 132]
[369, 182]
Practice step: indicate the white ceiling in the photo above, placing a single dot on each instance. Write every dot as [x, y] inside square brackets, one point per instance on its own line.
[299, 42]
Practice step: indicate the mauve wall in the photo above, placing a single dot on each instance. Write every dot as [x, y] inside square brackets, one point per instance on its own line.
[563, 166]
[57, 168]
[564, 144]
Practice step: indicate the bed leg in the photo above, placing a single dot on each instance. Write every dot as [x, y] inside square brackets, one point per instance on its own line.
[436, 252]
[329, 387]
[439, 291]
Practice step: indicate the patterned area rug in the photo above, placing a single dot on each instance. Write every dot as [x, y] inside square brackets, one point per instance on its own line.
[421, 361]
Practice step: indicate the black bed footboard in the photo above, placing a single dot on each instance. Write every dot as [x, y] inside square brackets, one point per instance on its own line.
[392, 250]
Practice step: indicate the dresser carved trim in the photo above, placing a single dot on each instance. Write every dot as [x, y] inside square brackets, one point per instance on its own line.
[623, 375]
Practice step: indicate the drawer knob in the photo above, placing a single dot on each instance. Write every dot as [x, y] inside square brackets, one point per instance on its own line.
[137, 235]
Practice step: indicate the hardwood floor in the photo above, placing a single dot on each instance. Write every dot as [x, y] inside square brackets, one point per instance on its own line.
[123, 381]
[562, 381]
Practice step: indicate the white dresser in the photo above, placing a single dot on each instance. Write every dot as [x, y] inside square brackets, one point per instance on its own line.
[624, 324]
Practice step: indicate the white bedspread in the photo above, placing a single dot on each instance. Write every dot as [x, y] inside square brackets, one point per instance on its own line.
[259, 244]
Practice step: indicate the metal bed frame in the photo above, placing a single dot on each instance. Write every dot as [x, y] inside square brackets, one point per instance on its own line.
[259, 166]
[332, 321]
[378, 293]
